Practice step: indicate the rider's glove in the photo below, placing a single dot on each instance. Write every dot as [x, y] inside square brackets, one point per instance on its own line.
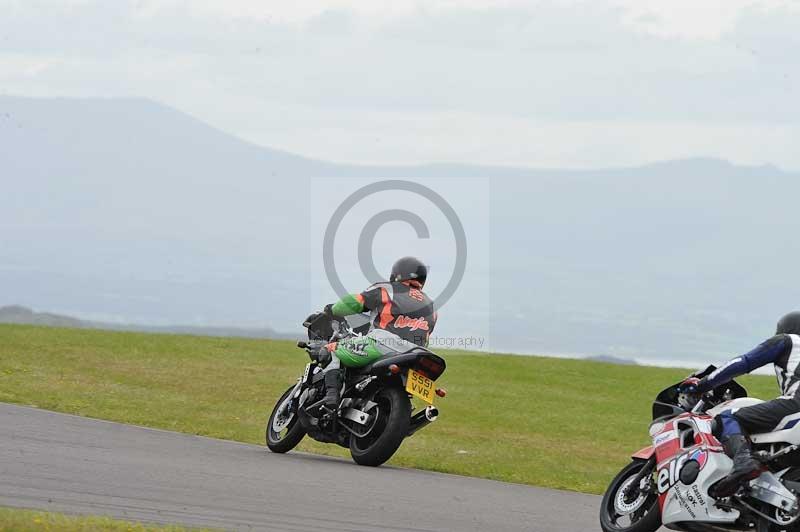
[328, 310]
[689, 385]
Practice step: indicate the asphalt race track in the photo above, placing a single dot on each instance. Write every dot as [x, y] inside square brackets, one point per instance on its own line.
[71, 464]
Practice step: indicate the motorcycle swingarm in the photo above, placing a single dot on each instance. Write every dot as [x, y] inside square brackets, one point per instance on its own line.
[769, 489]
[359, 415]
[362, 418]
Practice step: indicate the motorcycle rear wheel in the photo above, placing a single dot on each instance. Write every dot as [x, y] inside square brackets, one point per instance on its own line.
[642, 514]
[391, 427]
[291, 430]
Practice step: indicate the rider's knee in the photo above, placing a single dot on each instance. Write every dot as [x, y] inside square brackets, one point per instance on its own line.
[725, 424]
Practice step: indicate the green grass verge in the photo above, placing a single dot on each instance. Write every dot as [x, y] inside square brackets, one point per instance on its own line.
[16, 520]
[559, 423]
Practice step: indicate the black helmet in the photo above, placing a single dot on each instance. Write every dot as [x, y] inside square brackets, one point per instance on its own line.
[789, 324]
[409, 269]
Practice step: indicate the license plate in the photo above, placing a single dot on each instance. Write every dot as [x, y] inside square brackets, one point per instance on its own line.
[420, 386]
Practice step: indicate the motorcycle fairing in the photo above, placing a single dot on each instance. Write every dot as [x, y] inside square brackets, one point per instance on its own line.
[688, 437]
[787, 431]
[733, 405]
[644, 454]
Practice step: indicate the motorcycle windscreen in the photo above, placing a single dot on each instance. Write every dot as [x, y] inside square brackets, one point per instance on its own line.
[319, 327]
[666, 403]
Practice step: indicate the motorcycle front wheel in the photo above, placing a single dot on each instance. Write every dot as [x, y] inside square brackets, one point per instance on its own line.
[284, 430]
[392, 416]
[637, 512]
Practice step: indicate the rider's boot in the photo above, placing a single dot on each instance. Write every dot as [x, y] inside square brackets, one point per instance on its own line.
[745, 467]
[333, 385]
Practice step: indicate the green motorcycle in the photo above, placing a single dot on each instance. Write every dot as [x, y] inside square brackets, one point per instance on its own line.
[375, 414]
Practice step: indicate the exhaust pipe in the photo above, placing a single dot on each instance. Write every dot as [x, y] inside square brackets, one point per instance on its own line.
[431, 413]
[422, 419]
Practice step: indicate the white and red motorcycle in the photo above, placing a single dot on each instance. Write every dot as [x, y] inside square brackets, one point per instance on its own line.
[667, 483]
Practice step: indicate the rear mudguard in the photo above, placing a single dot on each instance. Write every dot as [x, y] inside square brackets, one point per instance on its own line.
[432, 365]
[644, 454]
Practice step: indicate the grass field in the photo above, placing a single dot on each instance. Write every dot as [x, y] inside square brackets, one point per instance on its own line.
[15, 520]
[558, 423]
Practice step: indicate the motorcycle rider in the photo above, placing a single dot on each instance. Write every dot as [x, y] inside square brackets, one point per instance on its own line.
[782, 350]
[401, 315]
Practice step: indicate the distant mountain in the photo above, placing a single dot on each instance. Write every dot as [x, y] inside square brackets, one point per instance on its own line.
[24, 316]
[125, 210]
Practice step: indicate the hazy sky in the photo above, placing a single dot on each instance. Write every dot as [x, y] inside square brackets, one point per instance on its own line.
[541, 83]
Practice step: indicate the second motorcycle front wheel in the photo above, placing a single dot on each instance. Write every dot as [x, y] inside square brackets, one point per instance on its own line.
[629, 510]
[393, 414]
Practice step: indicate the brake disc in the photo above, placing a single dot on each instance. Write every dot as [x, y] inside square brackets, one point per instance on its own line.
[281, 419]
[625, 508]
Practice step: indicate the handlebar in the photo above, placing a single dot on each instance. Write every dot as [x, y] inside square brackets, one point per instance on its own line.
[700, 406]
[706, 401]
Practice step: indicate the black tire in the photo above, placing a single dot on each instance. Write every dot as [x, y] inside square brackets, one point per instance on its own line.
[284, 441]
[391, 427]
[646, 517]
